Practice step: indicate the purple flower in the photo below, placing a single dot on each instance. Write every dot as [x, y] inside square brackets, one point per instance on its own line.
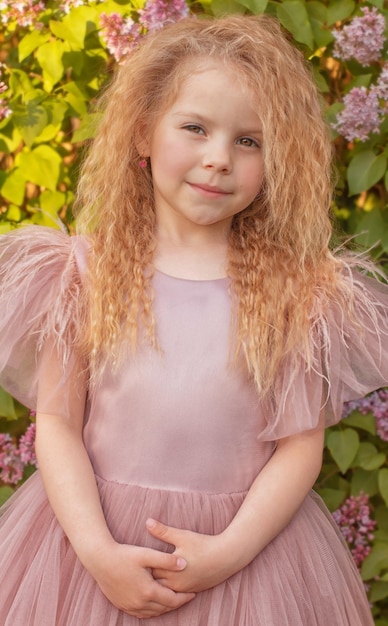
[353, 518]
[375, 403]
[11, 465]
[5, 111]
[27, 446]
[362, 39]
[381, 88]
[361, 116]
[158, 13]
[24, 12]
[120, 34]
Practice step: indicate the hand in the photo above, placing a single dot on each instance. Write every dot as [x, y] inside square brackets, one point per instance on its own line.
[123, 574]
[207, 565]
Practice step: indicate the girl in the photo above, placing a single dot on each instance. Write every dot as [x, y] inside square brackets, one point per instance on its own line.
[185, 352]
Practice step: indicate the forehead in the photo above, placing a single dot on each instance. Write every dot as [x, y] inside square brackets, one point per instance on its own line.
[194, 72]
[204, 80]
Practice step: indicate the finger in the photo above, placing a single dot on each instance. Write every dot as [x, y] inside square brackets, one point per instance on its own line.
[155, 559]
[160, 530]
[171, 599]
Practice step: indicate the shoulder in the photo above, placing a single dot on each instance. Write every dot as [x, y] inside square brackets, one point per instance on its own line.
[35, 249]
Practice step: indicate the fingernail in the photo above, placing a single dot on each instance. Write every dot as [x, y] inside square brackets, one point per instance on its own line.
[150, 523]
[181, 563]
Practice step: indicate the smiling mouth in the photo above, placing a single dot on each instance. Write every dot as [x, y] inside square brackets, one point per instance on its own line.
[209, 191]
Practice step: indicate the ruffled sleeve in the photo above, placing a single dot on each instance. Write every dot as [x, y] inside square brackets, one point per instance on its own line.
[349, 359]
[40, 285]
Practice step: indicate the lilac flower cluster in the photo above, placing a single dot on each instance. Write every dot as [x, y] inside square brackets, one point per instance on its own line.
[364, 109]
[362, 39]
[122, 34]
[158, 13]
[23, 12]
[356, 525]
[67, 5]
[375, 403]
[14, 458]
[5, 111]
[361, 115]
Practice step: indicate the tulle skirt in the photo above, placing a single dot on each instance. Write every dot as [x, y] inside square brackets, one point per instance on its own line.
[304, 577]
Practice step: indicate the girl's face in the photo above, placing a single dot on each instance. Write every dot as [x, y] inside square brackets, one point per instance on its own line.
[205, 151]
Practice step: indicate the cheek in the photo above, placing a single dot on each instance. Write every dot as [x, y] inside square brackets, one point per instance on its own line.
[254, 177]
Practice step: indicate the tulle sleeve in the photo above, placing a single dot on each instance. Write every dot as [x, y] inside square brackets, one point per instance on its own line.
[349, 359]
[40, 285]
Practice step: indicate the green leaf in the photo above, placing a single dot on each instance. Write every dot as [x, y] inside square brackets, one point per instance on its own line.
[339, 10]
[5, 493]
[87, 128]
[20, 84]
[332, 497]
[56, 111]
[14, 213]
[257, 7]
[52, 201]
[7, 406]
[292, 14]
[366, 481]
[383, 484]
[30, 42]
[50, 60]
[365, 170]
[13, 188]
[379, 591]
[317, 13]
[343, 446]
[370, 228]
[376, 561]
[359, 420]
[224, 7]
[368, 457]
[41, 166]
[75, 26]
[30, 119]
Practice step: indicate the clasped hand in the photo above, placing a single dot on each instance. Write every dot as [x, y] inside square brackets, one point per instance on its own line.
[204, 554]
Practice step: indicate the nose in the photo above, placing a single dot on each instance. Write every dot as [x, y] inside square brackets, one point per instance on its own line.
[217, 157]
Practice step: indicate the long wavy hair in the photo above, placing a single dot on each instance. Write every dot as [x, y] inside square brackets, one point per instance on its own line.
[278, 246]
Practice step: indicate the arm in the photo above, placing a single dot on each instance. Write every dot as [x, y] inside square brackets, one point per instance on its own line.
[123, 572]
[273, 499]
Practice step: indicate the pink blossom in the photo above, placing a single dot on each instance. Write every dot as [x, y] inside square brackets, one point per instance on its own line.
[353, 518]
[120, 34]
[67, 5]
[158, 13]
[361, 116]
[362, 39]
[381, 88]
[5, 111]
[24, 12]
[11, 465]
[375, 403]
[27, 446]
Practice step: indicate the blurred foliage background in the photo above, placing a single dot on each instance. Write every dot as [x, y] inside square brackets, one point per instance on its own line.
[55, 57]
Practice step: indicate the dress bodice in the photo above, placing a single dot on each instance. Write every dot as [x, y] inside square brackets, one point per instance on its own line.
[186, 417]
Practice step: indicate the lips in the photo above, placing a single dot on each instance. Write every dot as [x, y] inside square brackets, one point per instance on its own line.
[209, 190]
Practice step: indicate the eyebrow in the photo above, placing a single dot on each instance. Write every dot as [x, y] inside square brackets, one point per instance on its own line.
[201, 118]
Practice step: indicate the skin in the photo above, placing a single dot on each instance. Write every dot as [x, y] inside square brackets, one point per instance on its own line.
[207, 165]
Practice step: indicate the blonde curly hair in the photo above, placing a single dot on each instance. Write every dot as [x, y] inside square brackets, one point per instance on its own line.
[278, 246]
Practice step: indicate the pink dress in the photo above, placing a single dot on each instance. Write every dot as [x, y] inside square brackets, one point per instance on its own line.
[179, 436]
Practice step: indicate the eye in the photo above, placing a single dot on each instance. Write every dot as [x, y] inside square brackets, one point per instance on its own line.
[194, 128]
[248, 142]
